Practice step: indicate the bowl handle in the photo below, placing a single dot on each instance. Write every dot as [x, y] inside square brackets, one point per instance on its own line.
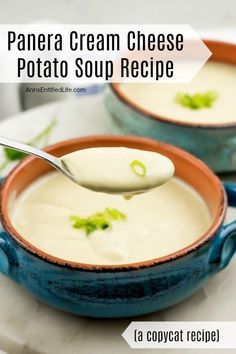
[8, 257]
[224, 244]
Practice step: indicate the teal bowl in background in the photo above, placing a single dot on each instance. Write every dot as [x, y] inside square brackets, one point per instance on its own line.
[213, 143]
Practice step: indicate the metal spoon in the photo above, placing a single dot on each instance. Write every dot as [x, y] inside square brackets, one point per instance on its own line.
[114, 184]
[52, 160]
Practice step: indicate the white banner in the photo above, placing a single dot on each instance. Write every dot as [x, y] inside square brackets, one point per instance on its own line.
[100, 53]
[181, 335]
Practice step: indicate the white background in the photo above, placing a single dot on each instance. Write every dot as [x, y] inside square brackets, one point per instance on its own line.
[201, 13]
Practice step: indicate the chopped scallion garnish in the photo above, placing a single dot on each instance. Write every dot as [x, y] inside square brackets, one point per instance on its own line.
[197, 100]
[97, 221]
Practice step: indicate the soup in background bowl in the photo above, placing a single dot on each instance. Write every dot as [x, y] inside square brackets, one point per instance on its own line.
[95, 287]
[199, 117]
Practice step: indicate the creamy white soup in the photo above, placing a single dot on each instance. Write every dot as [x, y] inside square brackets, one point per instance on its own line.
[119, 170]
[150, 225]
[214, 77]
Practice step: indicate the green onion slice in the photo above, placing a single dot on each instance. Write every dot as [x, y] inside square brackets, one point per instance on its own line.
[138, 168]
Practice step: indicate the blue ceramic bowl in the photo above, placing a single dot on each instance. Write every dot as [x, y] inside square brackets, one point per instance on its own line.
[214, 143]
[128, 289]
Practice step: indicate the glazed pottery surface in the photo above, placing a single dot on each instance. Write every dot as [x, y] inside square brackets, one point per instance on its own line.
[123, 290]
[215, 144]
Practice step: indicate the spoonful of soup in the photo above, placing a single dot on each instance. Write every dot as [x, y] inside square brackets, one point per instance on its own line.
[112, 170]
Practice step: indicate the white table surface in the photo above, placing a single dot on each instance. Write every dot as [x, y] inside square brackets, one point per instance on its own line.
[27, 326]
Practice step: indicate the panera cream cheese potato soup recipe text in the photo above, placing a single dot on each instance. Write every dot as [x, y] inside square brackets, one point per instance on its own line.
[78, 42]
